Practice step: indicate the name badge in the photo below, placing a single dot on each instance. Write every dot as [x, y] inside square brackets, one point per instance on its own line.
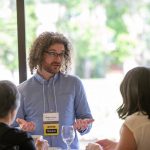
[51, 124]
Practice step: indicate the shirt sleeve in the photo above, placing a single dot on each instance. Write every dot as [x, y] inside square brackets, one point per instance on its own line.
[27, 145]
[82, 109]
[19, 138]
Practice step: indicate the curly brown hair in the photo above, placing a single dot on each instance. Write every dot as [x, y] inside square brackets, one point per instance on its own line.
[42, 43]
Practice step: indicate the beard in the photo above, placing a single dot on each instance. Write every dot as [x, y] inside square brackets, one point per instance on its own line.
[52, 68]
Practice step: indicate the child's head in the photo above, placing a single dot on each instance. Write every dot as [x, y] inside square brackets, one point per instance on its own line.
[9, 99]
[135, 91]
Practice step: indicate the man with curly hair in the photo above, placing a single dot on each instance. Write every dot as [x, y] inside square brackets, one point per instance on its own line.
[51, 97]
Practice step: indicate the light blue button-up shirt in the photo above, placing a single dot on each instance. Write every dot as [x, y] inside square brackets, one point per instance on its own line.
[62, 94]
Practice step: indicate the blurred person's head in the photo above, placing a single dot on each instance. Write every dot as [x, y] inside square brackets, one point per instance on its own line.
[50, 52]
[9, 101]
[135, 91]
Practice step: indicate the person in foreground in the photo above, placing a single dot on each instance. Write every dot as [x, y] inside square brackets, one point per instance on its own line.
[135, 109]
[11, 138]
[51, 98]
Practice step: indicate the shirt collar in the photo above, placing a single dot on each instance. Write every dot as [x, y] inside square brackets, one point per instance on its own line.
[44, 81]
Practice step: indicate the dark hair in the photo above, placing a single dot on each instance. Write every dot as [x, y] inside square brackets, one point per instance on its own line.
[135, 91]
[9, 97]
[42, 43]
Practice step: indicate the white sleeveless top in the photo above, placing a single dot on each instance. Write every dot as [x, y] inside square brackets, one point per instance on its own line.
[139, 125]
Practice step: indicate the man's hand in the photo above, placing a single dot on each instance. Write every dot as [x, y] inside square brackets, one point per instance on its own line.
[82, 124]
[41, 144]
[26, 126]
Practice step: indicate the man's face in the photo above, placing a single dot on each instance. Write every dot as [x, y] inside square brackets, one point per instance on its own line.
[53, 58]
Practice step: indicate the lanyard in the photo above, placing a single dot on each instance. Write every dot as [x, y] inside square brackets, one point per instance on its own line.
[54, 95]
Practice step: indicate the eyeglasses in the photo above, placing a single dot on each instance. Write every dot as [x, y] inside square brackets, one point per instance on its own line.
[54, 54]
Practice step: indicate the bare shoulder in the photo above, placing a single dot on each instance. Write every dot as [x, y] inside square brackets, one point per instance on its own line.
[127, 141]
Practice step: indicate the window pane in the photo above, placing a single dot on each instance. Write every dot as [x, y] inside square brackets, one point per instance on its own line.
[8, 41]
